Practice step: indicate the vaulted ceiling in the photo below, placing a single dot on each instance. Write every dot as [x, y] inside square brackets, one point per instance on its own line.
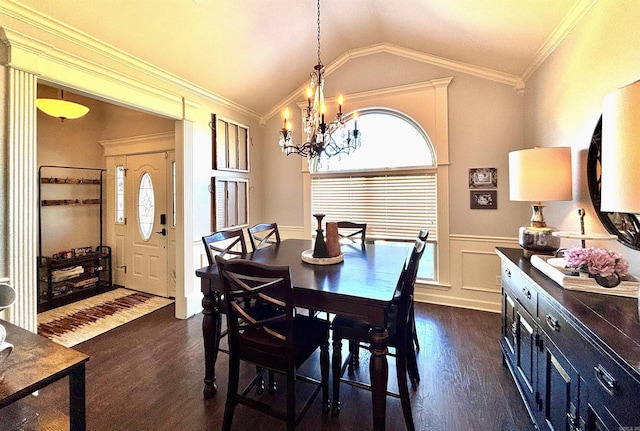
[257, 52]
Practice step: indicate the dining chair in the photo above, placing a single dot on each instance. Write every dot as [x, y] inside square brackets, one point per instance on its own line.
[231, 243]
[400, 330]
[281, 342]
[349, 232]
[354, 346]
[264, 235]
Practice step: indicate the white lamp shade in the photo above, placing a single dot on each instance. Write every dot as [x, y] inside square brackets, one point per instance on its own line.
[620, 151]
[62, 108]
[540, 174]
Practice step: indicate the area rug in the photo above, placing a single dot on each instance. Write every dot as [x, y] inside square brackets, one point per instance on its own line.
[78, 322]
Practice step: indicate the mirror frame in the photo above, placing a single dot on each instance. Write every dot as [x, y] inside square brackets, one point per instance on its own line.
[629, 237]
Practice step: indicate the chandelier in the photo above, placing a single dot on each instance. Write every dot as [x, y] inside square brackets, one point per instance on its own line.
[319, 138]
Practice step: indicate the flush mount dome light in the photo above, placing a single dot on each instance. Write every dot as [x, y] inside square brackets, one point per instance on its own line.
[61, 108]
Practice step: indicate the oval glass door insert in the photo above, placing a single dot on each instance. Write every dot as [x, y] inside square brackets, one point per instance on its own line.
[146, 205]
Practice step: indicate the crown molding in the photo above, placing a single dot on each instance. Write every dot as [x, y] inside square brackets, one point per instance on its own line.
[141, 144]
[391, 91]
[493, 75]
[87, 42]
[566, 26]
[469, 69]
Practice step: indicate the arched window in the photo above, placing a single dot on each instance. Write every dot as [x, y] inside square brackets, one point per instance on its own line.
[388, 183]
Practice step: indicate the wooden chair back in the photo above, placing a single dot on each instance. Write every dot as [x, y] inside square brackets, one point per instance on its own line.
[350, 231]
[255, 337]
[264, 235]
[225, 243]
[399, 313]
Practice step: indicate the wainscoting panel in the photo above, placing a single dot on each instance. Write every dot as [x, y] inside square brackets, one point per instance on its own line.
[475, 275]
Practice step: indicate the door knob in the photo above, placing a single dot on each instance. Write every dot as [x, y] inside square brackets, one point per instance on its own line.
[163, 232]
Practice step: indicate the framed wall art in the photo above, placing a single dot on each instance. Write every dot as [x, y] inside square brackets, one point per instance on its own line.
[229, 202]
[484, 199]
[483, 178]
[230, 145]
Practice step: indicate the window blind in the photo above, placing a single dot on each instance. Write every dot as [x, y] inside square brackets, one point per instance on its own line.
[394, 206]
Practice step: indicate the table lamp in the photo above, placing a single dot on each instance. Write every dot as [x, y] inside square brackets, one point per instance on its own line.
[620, 151]
[537, 175]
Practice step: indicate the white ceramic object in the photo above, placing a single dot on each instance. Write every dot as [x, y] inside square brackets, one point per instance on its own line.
[307, 256]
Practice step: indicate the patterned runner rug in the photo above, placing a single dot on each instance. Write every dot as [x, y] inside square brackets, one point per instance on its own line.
[77, 322]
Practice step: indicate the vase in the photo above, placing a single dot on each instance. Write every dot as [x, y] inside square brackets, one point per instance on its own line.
[320, 247]
[609, 281]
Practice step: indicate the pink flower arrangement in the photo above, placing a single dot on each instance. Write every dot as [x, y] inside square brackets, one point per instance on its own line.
[596, 261]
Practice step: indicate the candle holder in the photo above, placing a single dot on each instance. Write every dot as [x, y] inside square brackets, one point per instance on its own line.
[320, 248]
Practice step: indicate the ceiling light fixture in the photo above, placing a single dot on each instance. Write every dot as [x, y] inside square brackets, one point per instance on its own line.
[61, 108]
[318, 132]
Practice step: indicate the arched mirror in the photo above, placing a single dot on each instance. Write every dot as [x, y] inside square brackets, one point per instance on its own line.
[624, 225]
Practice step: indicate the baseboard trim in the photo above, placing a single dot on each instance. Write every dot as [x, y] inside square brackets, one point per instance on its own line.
[453, 301]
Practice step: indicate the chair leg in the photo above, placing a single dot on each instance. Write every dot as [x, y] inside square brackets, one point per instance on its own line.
[232, 392]
[291, 399]
[324, 371]
[403, 388]
[337, 373]
[412, 363]
[354, 360]
[272, 382]
[260, 382]
[414, 329]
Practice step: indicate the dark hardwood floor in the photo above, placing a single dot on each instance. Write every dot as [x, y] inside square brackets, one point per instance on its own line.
[147, 375]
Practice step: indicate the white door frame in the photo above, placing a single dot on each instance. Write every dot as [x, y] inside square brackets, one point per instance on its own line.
[116, 151]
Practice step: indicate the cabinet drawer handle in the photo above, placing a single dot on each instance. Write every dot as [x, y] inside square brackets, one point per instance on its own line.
[526, 292]
[606, 380]
[552, 323]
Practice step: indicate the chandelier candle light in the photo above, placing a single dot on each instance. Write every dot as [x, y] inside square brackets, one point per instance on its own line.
[318, 132]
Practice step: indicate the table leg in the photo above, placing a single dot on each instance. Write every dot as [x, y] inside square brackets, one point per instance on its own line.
[77, 399]
[379, 374]
[211, 323]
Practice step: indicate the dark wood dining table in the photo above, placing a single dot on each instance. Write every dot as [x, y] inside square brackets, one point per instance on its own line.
[361, 286]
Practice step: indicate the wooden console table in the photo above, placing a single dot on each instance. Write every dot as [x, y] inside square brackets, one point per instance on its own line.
[37, 362]
[575, 356]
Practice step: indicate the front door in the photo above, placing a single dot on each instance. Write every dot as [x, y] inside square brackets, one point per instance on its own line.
[146, 238]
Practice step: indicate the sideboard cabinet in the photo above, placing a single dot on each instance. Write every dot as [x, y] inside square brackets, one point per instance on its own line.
[574, 356]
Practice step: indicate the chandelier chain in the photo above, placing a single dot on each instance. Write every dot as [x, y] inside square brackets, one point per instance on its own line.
[319, 61]
[319, 139]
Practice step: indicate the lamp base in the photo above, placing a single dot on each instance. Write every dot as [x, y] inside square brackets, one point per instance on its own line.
[538, 240]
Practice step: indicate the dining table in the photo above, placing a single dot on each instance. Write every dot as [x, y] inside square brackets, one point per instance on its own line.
[360, 286]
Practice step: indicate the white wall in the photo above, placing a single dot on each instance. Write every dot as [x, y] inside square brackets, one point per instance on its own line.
[485, 123]
[563, 102]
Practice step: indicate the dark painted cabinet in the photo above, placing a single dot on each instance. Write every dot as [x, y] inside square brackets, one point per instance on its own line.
[575, 356]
